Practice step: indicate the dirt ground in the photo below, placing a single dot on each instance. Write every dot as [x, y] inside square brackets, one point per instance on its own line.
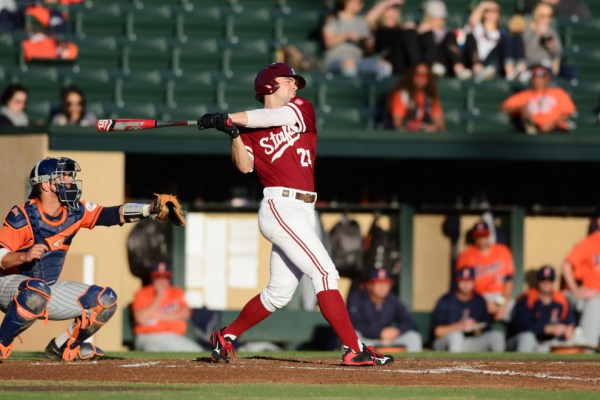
[581, 375]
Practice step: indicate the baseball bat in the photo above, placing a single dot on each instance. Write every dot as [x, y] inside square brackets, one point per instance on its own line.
[113, 125]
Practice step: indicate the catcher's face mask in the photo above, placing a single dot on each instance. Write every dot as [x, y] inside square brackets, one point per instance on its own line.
[61, 174]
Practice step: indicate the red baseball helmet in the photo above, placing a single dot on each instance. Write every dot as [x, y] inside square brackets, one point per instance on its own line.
[265, 82]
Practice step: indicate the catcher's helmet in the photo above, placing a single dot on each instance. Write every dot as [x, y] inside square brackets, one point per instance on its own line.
[50, 169]
[265, 82]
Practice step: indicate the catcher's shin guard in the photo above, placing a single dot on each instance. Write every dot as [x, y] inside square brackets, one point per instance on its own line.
[21, 313]
[99, 306]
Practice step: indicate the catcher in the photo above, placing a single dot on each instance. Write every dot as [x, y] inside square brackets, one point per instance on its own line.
[34, 241]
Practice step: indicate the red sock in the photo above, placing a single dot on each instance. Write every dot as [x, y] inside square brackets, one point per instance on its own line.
[252, 313]
[334, 310]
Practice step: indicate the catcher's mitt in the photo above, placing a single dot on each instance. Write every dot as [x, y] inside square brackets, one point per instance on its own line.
[167, 206]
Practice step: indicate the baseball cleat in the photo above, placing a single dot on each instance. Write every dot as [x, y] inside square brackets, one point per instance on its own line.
[84, 352]
[223, 347]
[368, 357]
[5, 351]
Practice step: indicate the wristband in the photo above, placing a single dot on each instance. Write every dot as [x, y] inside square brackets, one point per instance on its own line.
[133, 212]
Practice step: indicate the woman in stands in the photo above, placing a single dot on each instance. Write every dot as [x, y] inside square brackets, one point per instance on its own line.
[415, 104]
[72, 109]
[500, 53]
[12, 106]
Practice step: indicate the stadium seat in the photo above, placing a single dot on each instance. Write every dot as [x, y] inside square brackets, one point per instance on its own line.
[486, 97]
[238, 93]
[340, 92]
[38, 111]
[203, 22]
[297, 26]
[150, 22]
[344, 119]
[114, 110]
[198, 56]
[247, 56]
[139, 87]
[96, 84]
[100, 20]
[42, 82]
[146, 54]
[9, 50]
[98, 52]
[182, 112]
[479, 123]
[191, 90]
[250, 24]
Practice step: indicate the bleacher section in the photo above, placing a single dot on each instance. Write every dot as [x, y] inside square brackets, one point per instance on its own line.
[173, 59]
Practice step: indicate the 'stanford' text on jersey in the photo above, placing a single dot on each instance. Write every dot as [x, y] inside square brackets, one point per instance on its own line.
[285, 155]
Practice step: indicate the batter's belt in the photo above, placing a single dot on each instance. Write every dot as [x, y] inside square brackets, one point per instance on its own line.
[305, 197]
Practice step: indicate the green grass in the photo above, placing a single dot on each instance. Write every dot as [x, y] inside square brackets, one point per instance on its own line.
[79, 390]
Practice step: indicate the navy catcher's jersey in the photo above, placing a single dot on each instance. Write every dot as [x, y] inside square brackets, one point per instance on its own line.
[27, 224]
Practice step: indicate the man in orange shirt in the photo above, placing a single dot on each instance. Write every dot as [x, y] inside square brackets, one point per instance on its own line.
[494, 270]
[581, 272]
[161, 313]
[542, 108]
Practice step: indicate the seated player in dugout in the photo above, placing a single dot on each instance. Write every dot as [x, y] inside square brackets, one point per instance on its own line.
[494, 271]
[460, 320]
[161, 315]
[542, 317]
[379, 317]
[34, 242]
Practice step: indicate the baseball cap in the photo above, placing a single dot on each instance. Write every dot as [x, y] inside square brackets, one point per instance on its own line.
[481, 229]
[436, 9]
[161, 271]
[546, 273]
[465, 274]
[380, 274]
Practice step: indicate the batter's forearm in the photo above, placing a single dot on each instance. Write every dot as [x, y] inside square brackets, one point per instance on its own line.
[239, 118]
[239, 155]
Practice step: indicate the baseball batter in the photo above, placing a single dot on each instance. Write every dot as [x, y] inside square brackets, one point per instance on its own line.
[34, 242]
[279, 143]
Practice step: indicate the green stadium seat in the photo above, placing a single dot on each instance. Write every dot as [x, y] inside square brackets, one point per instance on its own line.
[487, 123]
[298, 5]
[486, 97]
[252, 24]
[96, 84]
[191, 89]
[9, 50]
[586, 96]
[100, 20]
[146, 54]
[98, 52]
[38, 111]
[344, 118]
[339, 92]
[297, 26]
[42, 82]
[140, 87]
[150, 21]
[247, 56]
[238, 93]
[129, 110]
[203, 22]
[181, 112]
[198, 56]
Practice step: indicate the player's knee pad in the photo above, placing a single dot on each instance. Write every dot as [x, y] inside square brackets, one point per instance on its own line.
[99, 303]
[273, 302]
[32, 299]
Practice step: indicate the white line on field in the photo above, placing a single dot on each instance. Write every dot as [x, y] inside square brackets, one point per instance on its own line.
[143, 364]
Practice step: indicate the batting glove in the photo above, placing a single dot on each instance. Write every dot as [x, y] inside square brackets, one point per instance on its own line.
[219, 121]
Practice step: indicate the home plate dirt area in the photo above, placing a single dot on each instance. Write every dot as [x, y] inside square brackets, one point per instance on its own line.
[575, 374]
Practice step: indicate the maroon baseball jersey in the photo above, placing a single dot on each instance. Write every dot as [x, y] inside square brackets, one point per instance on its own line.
[285, 155]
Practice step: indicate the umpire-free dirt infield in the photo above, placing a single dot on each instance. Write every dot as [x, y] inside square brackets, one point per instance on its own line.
[516, 374]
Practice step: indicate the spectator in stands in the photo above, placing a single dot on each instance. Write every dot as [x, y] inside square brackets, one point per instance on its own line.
[395, 41]
[502, 54]
[543, 45]
[13, 102]
[561, 8]
[542, 316]
[581, 272]
[542, 108]
[160, 315]
[349, 42]
[10, 18]
[72, 109]
[439, 45]
[414, 103]
[379, 317]
[461, 322]
[494, 270]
